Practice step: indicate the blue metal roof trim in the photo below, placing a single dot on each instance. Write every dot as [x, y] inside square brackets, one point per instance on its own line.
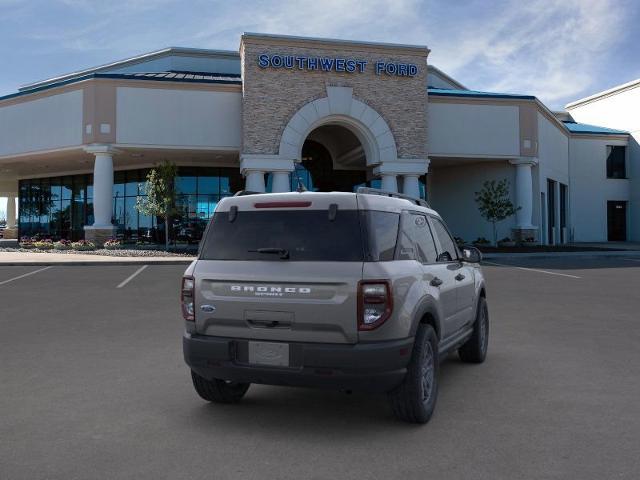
[229, 79]
[575, 127]
[444, 92]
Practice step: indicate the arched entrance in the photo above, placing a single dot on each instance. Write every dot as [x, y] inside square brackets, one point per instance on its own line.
[337, 141]
[332, 159]
[340, 141]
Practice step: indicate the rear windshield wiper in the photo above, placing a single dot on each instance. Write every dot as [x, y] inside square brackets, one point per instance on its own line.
[284, 254]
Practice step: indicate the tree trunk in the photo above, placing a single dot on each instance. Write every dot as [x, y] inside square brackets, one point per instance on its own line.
[166, 233]
[495, 234]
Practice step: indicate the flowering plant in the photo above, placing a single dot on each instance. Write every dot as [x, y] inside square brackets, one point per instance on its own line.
[83, 245]
[112, 244]
[26, 242]
[46, 244]
[62, 245]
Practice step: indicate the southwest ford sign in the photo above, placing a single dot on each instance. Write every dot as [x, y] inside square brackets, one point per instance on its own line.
[331, 64]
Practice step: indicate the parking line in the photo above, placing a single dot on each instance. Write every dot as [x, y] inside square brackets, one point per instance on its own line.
[25, 275]
[132, 276]
[532, 270]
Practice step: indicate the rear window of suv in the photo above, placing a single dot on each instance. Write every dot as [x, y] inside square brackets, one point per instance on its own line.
[305, 235]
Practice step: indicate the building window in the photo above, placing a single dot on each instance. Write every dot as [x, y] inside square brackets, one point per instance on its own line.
[616, 162]
[564, 201]
[60, 207]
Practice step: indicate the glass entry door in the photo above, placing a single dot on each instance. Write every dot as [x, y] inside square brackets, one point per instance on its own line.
[617, 221]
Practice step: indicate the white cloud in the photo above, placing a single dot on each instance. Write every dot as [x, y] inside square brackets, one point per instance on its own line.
[548, 48]
[349, 19]
[555, 49]
[543, 47]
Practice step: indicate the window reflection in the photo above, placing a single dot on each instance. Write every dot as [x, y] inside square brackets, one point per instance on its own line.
[59, 207]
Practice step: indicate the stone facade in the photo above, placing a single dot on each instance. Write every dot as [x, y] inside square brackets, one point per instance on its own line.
[98, 235]
[10, 233]
[271, 96]
[524, 234]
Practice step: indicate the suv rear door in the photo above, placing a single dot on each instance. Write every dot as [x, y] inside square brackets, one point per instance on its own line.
[284, 271]
[463, 274]
[416, 241]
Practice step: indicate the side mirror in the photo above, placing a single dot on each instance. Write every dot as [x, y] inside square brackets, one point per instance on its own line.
[444, 257]
[471, 255]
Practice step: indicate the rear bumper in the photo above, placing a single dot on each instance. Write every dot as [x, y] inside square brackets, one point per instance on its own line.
[370, 367]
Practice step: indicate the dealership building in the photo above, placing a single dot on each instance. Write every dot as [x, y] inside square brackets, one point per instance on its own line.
[328, 114]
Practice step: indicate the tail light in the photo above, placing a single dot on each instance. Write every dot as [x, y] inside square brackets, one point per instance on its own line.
[375, 303]
[186, 298]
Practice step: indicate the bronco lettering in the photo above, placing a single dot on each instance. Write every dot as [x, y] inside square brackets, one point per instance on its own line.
[269, 289]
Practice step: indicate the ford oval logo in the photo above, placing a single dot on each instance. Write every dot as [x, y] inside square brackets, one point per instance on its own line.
[208, 308]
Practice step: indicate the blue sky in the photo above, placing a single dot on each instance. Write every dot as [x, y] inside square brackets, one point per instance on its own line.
[557, 50]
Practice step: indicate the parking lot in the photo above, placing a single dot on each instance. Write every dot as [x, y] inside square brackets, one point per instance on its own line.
[93, 385]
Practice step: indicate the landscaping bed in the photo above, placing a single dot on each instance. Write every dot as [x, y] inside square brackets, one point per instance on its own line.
[120, 252]
[112, 248]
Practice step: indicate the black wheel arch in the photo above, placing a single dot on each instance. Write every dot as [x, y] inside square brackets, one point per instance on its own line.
[427, 313]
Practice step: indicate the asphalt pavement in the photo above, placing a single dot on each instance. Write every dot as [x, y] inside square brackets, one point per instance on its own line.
[93, 385]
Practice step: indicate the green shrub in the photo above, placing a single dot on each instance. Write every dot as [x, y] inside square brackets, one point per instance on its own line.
[112, 244]
[62, 245]
[43, 244]
[83, 245]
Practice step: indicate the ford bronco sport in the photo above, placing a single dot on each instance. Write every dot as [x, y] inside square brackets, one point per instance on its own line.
[354, 291]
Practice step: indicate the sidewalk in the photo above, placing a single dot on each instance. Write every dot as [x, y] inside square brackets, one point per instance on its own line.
[617, 245]
[32, 258]
[594, 253]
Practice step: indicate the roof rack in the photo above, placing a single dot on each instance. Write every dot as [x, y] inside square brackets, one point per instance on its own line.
[385, 193]
[242, 193]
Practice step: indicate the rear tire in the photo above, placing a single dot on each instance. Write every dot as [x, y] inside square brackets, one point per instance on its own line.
[415, 399]
[474, 350]
[219, 391]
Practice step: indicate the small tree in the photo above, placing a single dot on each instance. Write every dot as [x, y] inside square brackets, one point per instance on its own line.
[494, 203]
[160, 193]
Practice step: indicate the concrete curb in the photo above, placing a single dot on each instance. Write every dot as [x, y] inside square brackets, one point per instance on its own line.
[543, 255]
[38, 263]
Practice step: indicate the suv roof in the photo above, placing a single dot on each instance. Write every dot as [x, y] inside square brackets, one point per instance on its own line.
[368, 199]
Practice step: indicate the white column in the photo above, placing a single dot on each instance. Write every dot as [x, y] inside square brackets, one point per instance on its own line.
[102, 193]
[524, 192]
[389, 182]
[11, 211]
[254, 180]
[103, 190]
[253, 167]
[558, 207]
[408, 169]
[411, 185]
[280, 182]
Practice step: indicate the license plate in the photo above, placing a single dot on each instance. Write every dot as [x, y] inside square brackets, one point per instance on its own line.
[268, 353]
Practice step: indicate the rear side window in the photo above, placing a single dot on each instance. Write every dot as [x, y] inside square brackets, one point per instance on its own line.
[382, 228]
[449, 251]
[416, 240]
[306, 235]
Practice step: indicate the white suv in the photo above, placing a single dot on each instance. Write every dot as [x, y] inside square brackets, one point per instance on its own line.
[354, 291]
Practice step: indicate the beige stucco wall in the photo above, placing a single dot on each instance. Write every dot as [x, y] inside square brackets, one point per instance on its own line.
[172, 117]
[620, 110]
[50, 122]
[459, 129]
[271, 96]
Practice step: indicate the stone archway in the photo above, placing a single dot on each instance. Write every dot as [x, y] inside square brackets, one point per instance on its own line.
[340, 108]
